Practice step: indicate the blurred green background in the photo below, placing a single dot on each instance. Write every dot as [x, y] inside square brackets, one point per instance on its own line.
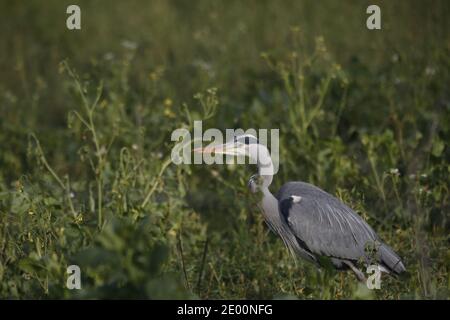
[85, 124]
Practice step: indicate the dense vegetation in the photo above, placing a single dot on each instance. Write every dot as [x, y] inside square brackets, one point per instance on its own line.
[85, 124]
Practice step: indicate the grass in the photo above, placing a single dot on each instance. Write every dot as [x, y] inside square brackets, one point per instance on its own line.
[86, 119]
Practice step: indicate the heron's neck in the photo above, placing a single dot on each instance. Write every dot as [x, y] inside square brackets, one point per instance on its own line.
[266, 180]
[265, 171]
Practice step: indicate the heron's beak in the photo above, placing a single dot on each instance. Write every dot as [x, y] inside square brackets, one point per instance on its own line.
[227, 148]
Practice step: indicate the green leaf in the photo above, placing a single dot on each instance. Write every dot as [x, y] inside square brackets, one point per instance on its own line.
[28, 265]
[438, 147]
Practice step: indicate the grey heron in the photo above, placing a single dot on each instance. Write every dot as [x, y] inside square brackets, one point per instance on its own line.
[311, 222]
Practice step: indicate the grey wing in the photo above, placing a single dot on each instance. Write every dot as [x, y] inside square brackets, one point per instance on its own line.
[322, 223]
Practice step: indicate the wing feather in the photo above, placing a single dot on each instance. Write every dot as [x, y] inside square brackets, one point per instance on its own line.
[323, 223]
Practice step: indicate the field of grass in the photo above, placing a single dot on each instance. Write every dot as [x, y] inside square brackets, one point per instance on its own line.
[86, 119]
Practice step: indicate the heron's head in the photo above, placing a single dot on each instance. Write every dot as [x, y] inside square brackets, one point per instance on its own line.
[242, 145]
[249, 146]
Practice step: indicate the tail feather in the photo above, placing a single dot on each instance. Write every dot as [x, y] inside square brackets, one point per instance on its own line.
[391, 260]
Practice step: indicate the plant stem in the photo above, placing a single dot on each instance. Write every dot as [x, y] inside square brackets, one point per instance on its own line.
[44, 161]
[156, 182]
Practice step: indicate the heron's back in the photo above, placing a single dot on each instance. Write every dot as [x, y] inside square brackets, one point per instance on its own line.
[326, 226]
